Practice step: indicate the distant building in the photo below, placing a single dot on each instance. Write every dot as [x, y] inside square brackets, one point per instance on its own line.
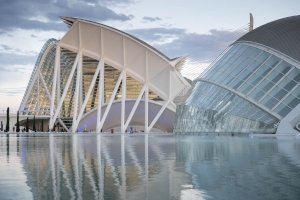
[252, 87]
[94, 64]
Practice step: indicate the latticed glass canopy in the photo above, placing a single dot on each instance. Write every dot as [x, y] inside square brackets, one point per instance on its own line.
[260, 76]
[247, 89]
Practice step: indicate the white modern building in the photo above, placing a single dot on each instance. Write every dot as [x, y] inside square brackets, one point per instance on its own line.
[98, 78]
[254, 86]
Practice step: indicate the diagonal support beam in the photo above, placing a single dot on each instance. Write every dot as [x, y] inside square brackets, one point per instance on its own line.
[123, 103]
[100, 98]
[159, 114]
[56, 66]
[99, 67]
[77, 92]
[45, 85]
[137, 101]
[111, 100]
[63, 124]
[57, 112]
[146, 121]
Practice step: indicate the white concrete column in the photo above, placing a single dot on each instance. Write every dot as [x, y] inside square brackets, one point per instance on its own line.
[100, 96]
[59, 104]
[76, 95]
[52, 101]
[123, 103]
[146, 129]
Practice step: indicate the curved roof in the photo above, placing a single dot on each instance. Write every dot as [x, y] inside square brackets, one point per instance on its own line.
[121, 50]
[70, 20]
[282, 35]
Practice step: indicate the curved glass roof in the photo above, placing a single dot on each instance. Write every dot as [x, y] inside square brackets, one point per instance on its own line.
[282, 35]
[260, 76]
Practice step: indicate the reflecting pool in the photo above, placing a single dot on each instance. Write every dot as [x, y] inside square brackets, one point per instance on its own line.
[149, 167]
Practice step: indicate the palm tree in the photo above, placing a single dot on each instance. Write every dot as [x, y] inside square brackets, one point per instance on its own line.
[18, 123]
[33, 126]
[7, 120]
[27, 125]
[42, 129]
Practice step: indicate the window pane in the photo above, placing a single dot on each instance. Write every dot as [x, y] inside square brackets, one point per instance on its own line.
[272, 61]
[269, 101]
[287, 84]
[284, 111]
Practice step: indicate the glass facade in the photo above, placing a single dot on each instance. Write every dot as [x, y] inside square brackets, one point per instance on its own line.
[247, 89]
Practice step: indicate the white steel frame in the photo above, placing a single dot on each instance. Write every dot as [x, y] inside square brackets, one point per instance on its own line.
[78, 107]
[153, 63]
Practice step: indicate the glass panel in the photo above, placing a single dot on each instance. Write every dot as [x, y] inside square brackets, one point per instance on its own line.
[283, 67]
[272, 61]
[226, 65]
[265, 85]
[275, 76]
[246, 87]
[296, 92]
[257, 94]
[287, 84]
[260, 74]
[297, 78]
[279, 93]
[269, 101]
[294, 99]
[295, 75]
[282, 110]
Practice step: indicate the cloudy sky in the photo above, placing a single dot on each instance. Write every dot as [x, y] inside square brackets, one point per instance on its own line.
[199, 29]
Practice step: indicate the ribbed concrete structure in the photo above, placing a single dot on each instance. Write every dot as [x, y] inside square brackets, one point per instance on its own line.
[100, 72]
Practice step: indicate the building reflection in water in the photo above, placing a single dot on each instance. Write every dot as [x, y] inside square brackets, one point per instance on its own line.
[100, 166]
[148, 167]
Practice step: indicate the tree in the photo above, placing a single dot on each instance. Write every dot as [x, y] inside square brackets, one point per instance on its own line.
[42, 129]
[1, 126]
[27, 125]
[7, 120]
[33, 126]
[18, 123]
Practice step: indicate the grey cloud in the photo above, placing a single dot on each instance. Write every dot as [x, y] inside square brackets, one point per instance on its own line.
[200, 46]
[5, 47]
[154, 34]
[12, 91]
[44, 14]
[197, 46]
[9, 59]
[11, 51]
[111, 2]
[151, 19]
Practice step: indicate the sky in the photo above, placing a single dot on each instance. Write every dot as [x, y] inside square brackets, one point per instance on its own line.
[195, 28]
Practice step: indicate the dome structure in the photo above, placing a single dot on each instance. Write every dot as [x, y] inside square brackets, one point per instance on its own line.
[253, 86]
[281, 35]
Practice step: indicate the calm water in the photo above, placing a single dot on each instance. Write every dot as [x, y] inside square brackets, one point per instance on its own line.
[149, 167]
